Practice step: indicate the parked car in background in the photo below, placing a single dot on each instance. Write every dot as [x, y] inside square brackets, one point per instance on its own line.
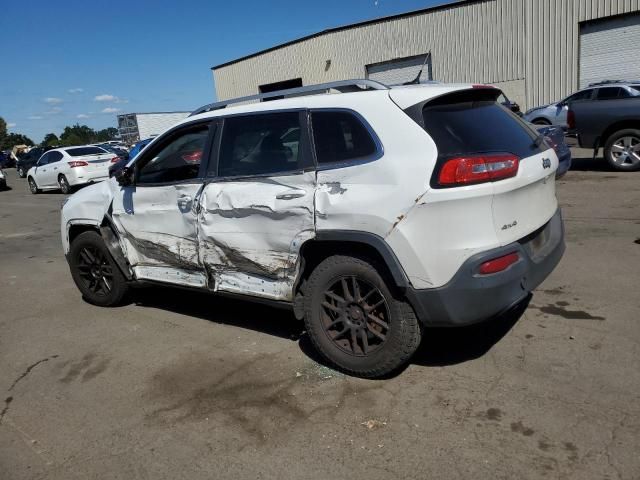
[3, 180]
[138, 147]
[555, 138]
[513, 106]
[610, 124]
[27, 160]
[120, 152]
[556, 113]
[373, 214]
[66, 168]
[6, 161]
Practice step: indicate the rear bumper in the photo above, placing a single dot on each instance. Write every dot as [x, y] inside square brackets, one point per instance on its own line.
[471, 298]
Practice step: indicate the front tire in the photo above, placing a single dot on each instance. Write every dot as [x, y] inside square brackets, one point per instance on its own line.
[94, 272]
[33, 187]
[541, 121]
[63, 183]
[355, 322]
[21, 172]
[622, 150]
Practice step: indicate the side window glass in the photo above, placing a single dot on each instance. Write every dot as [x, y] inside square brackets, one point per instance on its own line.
[177, 160]
[260, 144]
[340, 136]
[583, 95]
[55, 157]
[44, 159]
[607, 93]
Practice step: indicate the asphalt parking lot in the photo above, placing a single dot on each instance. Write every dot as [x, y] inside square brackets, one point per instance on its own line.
[182, 385]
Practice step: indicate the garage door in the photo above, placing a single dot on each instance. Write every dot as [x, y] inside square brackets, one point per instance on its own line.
[609, 50]
[400, 71]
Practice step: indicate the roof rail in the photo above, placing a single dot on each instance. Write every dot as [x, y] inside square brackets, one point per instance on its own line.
[343, 86]
[609, 82]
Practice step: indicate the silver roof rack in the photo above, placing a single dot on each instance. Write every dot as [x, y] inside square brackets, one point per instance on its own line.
[612, 82]
[343, 86]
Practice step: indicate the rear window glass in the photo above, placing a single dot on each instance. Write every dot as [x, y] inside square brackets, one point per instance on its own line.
[82, 151]
[466, 123]
[340, 136]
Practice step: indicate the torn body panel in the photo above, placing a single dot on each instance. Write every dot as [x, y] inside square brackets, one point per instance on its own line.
[250, 232]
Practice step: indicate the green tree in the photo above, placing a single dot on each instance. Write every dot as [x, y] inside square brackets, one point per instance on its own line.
[12, 139]
[77, 135]
[50, 139]
[3, 128]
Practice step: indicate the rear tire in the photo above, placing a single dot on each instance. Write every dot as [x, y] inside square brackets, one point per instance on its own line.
[541, 121]
[95, 273]
[355, 322]
[21, 172]
[63, 183]
[622, 150]
[33, 187]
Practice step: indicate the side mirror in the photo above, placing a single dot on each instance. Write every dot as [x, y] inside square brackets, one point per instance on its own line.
[124, 176]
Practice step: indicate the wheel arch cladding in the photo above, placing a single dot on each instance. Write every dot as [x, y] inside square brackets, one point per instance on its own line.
[359, 244]
[617, 127]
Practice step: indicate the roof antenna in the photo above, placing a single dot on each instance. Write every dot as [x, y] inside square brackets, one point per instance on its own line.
[416, 81]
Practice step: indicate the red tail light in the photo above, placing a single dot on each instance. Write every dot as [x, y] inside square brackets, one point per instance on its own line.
[571, 119]
[193, 157]
[116, 159]
[78, 163]
[478, 169]
[499, 264]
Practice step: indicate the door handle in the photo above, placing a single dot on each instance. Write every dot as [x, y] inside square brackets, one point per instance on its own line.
[291, 194]
[184, 201]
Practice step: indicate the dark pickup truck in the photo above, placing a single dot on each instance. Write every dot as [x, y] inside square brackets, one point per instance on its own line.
[610, 124]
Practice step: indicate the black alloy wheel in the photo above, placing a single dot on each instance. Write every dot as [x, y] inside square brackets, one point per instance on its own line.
[95, 271]
[355, 316]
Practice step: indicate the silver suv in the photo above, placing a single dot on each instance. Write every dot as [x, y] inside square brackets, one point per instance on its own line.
[556, 113]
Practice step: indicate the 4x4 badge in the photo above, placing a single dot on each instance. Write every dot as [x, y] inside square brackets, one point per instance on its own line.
[546, 163]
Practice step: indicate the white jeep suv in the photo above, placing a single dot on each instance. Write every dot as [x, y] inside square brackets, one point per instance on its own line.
[373, 212]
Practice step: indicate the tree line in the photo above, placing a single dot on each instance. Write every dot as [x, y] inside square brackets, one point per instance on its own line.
[8, 140]
[71, 135]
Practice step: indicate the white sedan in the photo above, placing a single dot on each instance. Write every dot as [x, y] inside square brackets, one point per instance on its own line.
[65, 168]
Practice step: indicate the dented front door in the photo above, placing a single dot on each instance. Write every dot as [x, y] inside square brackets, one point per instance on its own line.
[157, 218]
[158, 228]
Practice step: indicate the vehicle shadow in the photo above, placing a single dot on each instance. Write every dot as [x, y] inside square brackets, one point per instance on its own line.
[450, 346]
[440, 346]
[589, 164]
[226, 311]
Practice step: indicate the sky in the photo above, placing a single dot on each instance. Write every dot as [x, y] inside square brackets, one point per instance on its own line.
[67, 62]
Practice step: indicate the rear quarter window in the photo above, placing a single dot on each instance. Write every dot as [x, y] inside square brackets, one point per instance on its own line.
[340, 136]
[466, 123]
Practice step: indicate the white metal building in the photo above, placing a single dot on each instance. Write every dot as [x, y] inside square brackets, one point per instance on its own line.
[138, 126]
[537, 51]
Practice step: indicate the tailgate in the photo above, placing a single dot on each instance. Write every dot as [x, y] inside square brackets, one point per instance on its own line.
[526, 202]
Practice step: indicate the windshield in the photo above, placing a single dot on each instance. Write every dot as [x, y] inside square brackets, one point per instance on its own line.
[84, 151]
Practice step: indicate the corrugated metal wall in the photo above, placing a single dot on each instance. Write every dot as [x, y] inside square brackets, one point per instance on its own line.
[553, 41]
[489, 41]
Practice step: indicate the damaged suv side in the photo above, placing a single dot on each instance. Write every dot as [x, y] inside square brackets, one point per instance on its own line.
[373, 213]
